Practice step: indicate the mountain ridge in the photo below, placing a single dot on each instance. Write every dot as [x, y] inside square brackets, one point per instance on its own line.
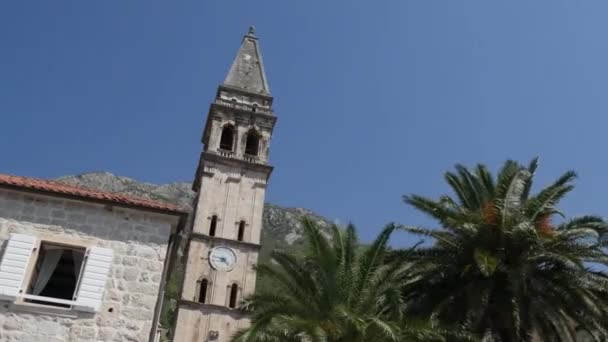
[281, 226]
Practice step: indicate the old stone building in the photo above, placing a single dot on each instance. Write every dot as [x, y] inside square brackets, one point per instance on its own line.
[81, 265]
[231, 183]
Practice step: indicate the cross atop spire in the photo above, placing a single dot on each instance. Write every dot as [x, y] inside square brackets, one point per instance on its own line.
[247, 71]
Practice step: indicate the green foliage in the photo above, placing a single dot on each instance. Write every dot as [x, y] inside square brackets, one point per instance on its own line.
[160, 197]
[485, 261]
[275, 241]
[498, 266]
[335, 292]
[173, 291]
[172, 294]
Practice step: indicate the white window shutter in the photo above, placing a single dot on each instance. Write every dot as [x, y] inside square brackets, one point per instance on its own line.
[93, 279]
[13, 264]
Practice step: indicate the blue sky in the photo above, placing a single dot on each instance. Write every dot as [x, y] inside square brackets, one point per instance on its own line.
[374, 99]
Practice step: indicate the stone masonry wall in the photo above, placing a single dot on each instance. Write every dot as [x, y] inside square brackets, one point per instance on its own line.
[139, 241]
[233, 194]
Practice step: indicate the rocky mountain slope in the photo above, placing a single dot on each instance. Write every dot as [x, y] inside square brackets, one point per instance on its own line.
[281, 226]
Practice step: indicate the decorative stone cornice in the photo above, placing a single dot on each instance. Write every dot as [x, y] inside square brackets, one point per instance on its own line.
[235, 161]
[229, 161]
[240, 110]
[212, 308]
[228, 88]
[235, 243]
[261, 185]
[254, 108]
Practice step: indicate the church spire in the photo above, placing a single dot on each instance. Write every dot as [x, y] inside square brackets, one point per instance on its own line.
[247, 70]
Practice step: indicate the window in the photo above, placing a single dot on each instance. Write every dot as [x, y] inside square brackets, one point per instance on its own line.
[60, 275]
[252, 144]
[241, 233]
[56, 273]
[202, 293]
[227, 138]
[213, 225]
[234, 291]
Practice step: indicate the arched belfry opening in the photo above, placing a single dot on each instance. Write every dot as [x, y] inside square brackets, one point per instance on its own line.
[252, 144]
[227, 138]
[234, 292]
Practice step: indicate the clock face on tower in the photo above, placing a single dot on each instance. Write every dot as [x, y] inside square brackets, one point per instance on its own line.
[222, 259]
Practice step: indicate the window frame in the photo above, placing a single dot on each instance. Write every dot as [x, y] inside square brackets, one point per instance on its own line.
[213, 220]
[241, 228]
[234, 290]
[202, 281]
[23, 296]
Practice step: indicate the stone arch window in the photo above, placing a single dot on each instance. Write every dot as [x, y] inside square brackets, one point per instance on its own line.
[233, 293]
[202, 292]
[227, 138]
[254, 108]
[252, 144]
[241, 233]
[213, 225]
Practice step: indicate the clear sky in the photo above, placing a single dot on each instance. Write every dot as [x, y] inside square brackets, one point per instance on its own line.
[375, 99]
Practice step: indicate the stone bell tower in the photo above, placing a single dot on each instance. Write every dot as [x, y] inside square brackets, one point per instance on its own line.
[231, 182]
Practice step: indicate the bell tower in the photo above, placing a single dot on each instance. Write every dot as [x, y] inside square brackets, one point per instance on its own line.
[230, 182]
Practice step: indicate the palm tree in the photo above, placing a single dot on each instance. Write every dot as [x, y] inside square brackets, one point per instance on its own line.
[501, 268]
[337, 292]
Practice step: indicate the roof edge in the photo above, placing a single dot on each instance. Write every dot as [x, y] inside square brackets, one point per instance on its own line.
[56, 189]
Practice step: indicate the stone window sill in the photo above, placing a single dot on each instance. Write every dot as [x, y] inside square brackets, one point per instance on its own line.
[20, 305]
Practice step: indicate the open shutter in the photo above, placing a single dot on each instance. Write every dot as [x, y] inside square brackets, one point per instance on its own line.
[93, 279]
[14, 262]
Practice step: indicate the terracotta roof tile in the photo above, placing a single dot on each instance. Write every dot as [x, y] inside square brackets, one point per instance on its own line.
[52, 187]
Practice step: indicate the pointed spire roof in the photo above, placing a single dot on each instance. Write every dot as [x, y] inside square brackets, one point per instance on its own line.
[247, 70]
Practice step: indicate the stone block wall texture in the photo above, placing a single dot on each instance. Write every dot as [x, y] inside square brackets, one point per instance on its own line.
[233, 194]
[139, 241]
